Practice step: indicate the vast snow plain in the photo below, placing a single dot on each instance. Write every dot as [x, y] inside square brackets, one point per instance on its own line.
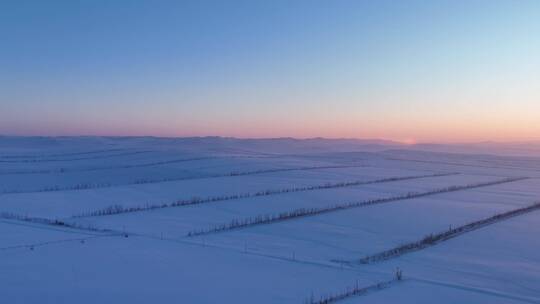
[221, 220]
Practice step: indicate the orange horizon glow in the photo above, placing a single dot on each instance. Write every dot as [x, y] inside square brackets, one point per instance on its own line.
[409, 135]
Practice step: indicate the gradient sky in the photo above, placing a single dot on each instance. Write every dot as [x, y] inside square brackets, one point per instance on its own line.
[441, 71]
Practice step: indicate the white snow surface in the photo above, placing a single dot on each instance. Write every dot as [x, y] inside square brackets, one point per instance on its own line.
[147, 256]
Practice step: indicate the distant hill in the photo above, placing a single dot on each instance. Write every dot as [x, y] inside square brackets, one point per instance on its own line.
[265, 145]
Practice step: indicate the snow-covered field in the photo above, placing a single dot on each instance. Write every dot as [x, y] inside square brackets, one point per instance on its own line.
[108, 220]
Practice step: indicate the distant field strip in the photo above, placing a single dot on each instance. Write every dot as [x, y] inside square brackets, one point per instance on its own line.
[62, 154]
[349, 292]
[462, 164]
[243, 173]
[86, 186]
[434, 239]
[46, 160]
[143, 165]
[305, 212]
[118, 209]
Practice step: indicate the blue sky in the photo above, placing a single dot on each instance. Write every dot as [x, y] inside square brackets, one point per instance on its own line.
[402, 70]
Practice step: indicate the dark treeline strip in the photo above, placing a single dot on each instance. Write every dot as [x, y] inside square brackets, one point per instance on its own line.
[86, 186]
[434, 239]
[62, 154]
[41, 244]
[118, 209]
[144, 165]
[47, 160]
[355, 290]
[81, 186]
[52, 222]
[305, 212]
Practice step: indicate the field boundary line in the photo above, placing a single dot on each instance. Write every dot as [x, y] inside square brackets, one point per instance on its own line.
[434, 239]
[265, 219]
[119, 209]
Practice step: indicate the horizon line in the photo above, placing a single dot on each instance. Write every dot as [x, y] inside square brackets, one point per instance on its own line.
[388, 141]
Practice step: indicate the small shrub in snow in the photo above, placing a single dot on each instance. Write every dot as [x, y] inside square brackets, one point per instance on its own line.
[351, 291]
